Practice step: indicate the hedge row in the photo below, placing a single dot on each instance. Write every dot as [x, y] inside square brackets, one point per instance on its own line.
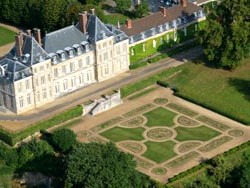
[132, 88]
[206, 164]
[13, 138]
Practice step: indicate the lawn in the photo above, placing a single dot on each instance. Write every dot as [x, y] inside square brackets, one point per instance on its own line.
[6, 36]
[201, 133]
[159, 151]
[114, 18]
[226, 92]
[160, 117]
[117, 134]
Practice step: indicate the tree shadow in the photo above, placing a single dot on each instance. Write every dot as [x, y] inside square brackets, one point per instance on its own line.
[243, 86]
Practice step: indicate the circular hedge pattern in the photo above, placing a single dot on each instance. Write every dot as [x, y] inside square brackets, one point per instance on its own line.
[134, 122]
[159, 134]
[159, 171]
[160, 101]
[235, 133]
[185, 147]
[132, 146]
[84, 134]
[186, 121]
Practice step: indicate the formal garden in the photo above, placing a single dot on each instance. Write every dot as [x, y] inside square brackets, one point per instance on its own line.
[164, 136]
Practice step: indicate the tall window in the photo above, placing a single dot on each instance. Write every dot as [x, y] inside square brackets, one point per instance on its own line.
[57, 88]
[28, 99]
[81, 78]
[38, 96]
[87, 60]
[44, 93]
[42, 80]
[20, 87]
[27, 84]
[89, 75]
[65, 84]
[105, 56]
[106, 69]
[73, 81]
[21, 102]
[64, 70]
[55, 72]
[80, 64]
[72, 66]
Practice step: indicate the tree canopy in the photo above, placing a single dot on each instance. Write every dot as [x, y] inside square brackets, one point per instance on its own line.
[122, 5]
[64, 139]
[226, 38]
[96, 165]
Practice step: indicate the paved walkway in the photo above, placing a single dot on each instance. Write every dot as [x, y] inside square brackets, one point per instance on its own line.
[14, 123]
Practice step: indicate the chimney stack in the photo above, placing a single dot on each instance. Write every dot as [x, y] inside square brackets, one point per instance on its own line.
[28, 31]
[163, 11]
[92, 11]
[129, 24]
[19, 42]
[37, 33]
[83, 21]
[184, 3]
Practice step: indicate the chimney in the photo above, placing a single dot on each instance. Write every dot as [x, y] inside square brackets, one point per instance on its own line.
[37, 33]
[163, 11]
[19, 41]
[184, 3]
[83, 21]
[92, 11]
[28, 31]
[129, 24]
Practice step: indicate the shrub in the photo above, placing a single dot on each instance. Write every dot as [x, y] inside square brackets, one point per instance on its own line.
[63, 139]
[162, 83]
[8, 155]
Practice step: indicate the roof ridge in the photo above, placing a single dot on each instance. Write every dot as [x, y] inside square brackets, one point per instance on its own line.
[64, 28]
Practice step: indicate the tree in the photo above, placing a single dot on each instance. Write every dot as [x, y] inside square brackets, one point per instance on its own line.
[226, 38]
[33, 149]
[96, 165]
[64, 139]
[122, 5]
[141, 9]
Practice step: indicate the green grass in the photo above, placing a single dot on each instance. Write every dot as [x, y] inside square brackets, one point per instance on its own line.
[159, 151]
[117, 134]
[6, 174]
[114, 18]
[160, 117]
[142, 93]
[6, 36]
[226, 92]
[201, 133]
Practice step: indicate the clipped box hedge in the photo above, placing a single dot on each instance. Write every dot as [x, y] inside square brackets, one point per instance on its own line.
[13, 138]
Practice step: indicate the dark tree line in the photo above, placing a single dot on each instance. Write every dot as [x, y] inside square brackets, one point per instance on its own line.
[47, 15]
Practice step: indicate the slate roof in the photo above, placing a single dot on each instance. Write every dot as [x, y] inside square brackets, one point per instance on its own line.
[63, 38]
[14, 70]
[156, 19]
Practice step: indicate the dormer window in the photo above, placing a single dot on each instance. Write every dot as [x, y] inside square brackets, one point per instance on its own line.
[71, 53]
[160, 28]
[196, 14]
[131, 40]
[26, 58]
[174, 23]
[87, 47]
[179, 21]
[201, 14]
[2, 72]
[54, 59]
[79, 50]
[166, 26]
[142, 35]
[153, 31]
[63, 57]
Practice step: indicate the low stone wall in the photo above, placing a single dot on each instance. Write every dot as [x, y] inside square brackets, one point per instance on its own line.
[105, 103]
